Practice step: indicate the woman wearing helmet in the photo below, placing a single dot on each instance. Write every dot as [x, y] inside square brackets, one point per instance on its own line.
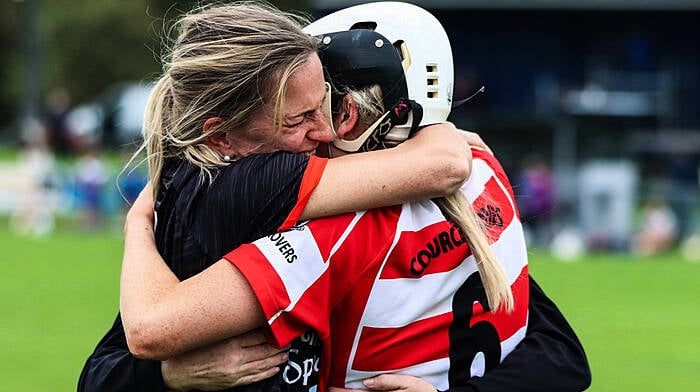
[222, 97]
[233, 292]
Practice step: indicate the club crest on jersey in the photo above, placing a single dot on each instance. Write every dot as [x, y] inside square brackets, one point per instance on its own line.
[300, 226]
[490, 215]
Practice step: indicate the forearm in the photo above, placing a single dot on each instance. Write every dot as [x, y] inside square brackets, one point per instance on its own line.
[164, 317]
[144, 280]
[433, 164]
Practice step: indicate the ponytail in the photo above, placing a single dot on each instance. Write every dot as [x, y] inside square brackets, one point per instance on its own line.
[225, 62]
[496, 285]
[157, 120]
[458, 209]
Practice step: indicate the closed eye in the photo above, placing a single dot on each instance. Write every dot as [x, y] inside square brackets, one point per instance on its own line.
[288, 125]
[304, 116]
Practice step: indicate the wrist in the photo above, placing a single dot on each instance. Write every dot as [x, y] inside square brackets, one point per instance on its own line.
[172, 379]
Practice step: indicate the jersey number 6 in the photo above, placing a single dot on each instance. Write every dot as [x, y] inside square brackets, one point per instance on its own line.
[466, 340]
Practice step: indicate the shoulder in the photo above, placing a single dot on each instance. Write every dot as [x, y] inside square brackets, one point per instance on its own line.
[274, 161]
[485, 165]
[488, 159]
[272, 170]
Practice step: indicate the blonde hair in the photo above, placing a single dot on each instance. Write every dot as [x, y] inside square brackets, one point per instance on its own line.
[458, 209]
[369, 103]
[228, 61]
[496, 285]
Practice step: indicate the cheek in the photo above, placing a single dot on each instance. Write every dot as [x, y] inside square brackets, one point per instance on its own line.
[293, 139]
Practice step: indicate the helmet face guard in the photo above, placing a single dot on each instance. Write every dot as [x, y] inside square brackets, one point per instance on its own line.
[421, 49]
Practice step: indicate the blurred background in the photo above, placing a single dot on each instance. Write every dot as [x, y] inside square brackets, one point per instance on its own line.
[592, 106]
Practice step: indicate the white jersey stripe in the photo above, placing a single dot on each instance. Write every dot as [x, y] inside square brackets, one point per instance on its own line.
[435, 290]
[481, 174]
[510, 250]
[296, 279]
[429, 296]
[416, 216]
[347, 232]
[433, 372]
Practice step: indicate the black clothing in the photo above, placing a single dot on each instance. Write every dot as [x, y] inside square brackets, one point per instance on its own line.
[549, 358]
[196, 224]
[111, 367]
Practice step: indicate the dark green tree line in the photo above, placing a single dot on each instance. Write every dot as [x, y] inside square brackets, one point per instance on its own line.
[82, 46]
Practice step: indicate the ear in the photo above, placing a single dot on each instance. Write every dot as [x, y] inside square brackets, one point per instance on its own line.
[347, 117]
[216, 140]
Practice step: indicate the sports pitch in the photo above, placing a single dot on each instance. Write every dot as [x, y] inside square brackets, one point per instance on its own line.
[637, 318]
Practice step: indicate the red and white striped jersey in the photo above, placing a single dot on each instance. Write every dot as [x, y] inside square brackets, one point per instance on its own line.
[395, 289]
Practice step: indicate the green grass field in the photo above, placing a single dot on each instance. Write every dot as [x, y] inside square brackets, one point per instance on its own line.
[638, 319]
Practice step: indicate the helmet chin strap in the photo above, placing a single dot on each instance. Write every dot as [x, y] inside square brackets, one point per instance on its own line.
[355, 145]
[389, 130]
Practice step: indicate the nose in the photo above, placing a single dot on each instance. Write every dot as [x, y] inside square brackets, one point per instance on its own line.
[322, 129]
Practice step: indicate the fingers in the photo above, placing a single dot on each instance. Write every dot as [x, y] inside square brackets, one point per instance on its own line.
[249, 379]
[398, 382]
[475, 140]
[259, 352]
[263, 365]
[143, 205]
[385, 382]
[251, 338]
[254, 353]
[336, 389]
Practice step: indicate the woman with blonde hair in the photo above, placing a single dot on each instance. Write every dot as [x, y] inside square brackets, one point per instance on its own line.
[230, 131]
[326, 274]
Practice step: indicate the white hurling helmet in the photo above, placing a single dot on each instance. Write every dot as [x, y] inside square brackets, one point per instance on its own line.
[424, 51]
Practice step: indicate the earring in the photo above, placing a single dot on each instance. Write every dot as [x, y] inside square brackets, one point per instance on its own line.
[227, 158]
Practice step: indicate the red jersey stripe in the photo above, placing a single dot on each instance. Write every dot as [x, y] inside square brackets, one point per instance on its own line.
[507, 324]
[492, 162]
[422, 341]
[494, 210]
[312, 176]
[327, 235]
[263, 279]
[442, 252]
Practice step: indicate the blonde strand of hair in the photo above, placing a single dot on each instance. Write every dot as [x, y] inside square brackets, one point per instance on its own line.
[224, 61]
[496, 285]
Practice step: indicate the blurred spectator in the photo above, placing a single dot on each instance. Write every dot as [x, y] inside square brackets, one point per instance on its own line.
[36, 174]
[607, 193]
[91, 176]
[684, 173]
[132, 179]
[535, 198]
[659, 228]
[57, 107]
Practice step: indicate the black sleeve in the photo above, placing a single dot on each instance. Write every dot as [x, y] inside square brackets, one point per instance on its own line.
[248, 200]
[111, 367]
[549, 358]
